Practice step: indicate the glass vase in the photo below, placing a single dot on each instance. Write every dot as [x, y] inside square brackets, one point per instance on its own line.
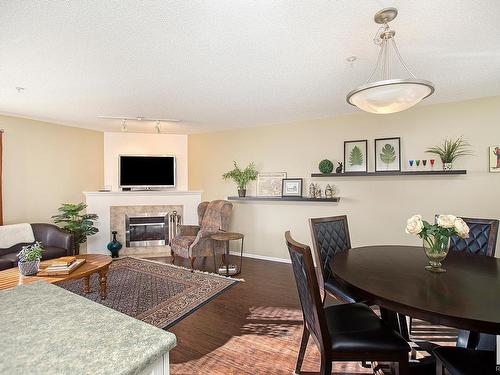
[436, 249]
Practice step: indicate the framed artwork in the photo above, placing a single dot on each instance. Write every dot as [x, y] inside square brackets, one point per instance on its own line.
[270, 184]
[356, 156]
[495, 159]
[388, 154]
[292, 187]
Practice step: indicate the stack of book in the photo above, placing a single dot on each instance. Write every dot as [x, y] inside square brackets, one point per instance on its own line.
[63, 266]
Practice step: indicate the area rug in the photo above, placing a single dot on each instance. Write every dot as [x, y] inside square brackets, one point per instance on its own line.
[156, 293]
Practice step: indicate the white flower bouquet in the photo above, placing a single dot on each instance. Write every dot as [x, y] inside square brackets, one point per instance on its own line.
[436, 237]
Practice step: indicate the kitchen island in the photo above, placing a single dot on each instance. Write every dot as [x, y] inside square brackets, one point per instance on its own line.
[48, 330]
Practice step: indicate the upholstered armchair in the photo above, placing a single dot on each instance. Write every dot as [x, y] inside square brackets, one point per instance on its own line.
[194, 241]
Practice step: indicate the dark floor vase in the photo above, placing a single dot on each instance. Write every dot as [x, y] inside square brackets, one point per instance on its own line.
[114, 246]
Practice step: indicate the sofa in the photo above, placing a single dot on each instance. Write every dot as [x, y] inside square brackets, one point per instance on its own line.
[55, 242]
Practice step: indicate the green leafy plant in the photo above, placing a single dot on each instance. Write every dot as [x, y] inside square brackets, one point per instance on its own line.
[451, 150]
[241, 176]
[388, 154]
[356, 156]
[74, 221]
[325, 166]
[30, 253]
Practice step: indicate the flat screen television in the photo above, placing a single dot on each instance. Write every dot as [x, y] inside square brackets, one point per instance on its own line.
[147, 171]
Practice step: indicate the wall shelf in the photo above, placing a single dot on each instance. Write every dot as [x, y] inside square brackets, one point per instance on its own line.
[397, 173]
[283, 199]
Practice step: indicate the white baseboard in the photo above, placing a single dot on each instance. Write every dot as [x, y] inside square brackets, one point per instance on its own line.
[262, 257]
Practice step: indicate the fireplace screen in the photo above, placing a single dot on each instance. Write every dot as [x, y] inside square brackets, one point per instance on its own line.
[146, 231]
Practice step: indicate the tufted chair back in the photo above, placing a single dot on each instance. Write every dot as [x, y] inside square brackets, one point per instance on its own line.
[330, 236]
[482, 237]
[309, 295]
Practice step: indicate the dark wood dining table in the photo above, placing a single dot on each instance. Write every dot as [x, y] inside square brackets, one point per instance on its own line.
[467, 296]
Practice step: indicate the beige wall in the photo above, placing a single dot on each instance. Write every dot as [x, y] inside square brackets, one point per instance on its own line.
[46, 165]
[377, 207]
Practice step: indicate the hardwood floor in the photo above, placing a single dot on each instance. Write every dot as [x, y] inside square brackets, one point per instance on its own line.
[253, 328]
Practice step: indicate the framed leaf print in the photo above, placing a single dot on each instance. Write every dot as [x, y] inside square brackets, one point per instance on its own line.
[388, 154]
[356, 156]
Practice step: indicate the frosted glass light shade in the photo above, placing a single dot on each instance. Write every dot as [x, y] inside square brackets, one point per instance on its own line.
[390, 96]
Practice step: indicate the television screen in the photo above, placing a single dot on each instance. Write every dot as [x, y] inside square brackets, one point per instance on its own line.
[147, 171]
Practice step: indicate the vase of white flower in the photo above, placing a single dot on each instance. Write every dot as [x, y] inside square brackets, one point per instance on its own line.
[436, 237]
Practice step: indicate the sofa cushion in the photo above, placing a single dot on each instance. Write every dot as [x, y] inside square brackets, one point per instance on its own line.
[11, 258]
[53, 252]
[5, 264]
[13, 249]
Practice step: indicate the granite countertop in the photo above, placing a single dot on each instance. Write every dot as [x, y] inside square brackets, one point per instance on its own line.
[48, 330]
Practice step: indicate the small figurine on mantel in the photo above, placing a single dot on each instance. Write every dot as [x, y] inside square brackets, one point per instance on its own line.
[312, 190]
[328, 192]
[319, 193]
[339, 168]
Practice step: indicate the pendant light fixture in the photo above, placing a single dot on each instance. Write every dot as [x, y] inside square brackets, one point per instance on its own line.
[382, 94]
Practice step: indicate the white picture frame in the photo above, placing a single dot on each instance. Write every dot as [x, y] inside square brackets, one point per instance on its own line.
[270, 184]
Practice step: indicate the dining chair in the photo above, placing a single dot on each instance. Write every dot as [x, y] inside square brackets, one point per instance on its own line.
[482, 240]
[461, 361]
[344, 332]
[330, 236]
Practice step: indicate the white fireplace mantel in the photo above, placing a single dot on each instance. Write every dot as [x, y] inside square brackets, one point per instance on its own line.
[100, 203]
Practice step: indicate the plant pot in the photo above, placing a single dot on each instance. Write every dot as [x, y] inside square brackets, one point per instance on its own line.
[114, 246]
[436, 251]
[28, 268]
[447, 166]
[242, 193]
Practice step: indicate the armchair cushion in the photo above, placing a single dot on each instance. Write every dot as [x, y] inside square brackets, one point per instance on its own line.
[187, 230]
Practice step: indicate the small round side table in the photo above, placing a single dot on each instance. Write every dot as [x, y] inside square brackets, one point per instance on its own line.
[226, 237]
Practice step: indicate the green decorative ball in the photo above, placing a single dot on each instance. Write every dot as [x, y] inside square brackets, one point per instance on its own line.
[325, 166]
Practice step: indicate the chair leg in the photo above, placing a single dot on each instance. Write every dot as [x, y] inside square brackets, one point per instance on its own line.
[404, 367]
[326, 366]
[439, 367]
[191, 262]
[302, 351]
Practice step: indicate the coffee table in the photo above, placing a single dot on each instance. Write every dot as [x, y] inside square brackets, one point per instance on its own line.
[94, 263]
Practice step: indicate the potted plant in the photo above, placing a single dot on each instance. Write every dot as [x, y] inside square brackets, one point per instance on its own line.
[74, 221]
[29, 259]
[241, 177]
[450, 151]
[436, 237]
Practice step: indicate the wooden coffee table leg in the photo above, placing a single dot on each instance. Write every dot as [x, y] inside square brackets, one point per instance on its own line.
[102, 282]
[86, 284]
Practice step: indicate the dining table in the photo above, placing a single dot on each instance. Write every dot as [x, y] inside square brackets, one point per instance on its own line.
[466, 296]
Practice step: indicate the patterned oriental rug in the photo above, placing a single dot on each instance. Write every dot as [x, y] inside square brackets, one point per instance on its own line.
[156, 293]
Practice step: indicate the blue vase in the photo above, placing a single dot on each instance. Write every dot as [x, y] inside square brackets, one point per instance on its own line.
[114, 246]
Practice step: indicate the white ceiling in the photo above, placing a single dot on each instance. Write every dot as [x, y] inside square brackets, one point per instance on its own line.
[229, 63]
